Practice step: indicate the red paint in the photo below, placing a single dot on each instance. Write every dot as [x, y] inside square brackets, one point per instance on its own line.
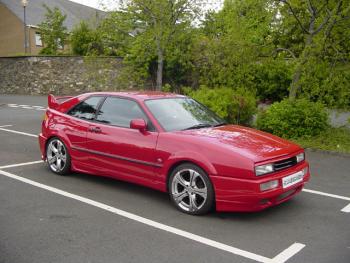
[228, 153]
[138, 124]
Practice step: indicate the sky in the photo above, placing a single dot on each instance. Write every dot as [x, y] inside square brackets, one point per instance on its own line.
[110, 4]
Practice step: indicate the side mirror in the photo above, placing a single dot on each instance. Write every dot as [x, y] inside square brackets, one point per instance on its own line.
[138, 124]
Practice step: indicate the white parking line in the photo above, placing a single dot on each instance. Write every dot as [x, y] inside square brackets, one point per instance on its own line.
[9, 125]
[326, 194]
[19, 164]
[346, 209]
[288, 253]
[280, 258]
[19, 132]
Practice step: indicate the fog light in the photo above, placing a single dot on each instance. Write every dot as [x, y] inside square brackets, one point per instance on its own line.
[268, 185]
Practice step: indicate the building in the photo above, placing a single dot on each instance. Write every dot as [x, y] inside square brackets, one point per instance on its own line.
[12, 33]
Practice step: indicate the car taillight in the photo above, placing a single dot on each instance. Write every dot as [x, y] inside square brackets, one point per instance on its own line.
[45, 117]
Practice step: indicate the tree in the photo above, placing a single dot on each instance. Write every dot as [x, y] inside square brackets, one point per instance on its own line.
[234, 41]
[85, 40]
[158, 22]
[316, 21]
[53, 32]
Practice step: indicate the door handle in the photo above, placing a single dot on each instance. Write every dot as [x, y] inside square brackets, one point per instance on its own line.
[95, 129]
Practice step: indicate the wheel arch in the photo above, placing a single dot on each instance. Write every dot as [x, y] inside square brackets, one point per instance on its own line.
[177, 163]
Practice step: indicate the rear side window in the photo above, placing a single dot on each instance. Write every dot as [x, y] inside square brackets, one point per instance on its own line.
[119, 112]
[86, 109]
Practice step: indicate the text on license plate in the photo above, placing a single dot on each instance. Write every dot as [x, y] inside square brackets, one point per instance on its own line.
[292, 179]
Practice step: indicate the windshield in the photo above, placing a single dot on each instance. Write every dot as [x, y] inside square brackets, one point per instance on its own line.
[182, 113]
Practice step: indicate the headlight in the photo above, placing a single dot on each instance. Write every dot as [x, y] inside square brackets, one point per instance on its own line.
[300, 157]
[263, 169]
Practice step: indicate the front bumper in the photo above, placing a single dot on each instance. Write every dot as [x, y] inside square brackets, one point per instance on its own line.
[235, 194]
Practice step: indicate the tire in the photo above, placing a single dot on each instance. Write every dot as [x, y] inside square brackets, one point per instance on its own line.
[57, 157]
[191, 190]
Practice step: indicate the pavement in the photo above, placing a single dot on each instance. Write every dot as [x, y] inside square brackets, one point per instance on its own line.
[85, 218]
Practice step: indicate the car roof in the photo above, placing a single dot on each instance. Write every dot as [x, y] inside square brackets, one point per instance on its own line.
[138, 95]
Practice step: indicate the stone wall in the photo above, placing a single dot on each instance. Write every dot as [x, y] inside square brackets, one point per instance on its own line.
[58, 75]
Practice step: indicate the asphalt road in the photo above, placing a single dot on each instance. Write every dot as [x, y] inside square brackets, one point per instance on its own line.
[38, 223]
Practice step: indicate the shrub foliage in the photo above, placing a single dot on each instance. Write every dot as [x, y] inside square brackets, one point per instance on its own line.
[294, 119]
[235, 106]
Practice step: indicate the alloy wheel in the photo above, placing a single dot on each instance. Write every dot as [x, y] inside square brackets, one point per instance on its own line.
[189, 190]
[56, 155]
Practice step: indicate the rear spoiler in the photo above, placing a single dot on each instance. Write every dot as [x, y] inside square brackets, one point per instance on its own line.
[53, 102]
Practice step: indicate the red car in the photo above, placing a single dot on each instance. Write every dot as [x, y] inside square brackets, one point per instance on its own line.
[173, 144]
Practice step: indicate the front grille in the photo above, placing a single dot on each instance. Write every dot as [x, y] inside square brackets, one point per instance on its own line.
[284, 164]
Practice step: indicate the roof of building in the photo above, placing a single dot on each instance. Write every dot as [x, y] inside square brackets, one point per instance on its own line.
[35, 11]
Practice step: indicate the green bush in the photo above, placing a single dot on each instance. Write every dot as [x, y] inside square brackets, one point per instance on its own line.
[85, 40]
[235, 106]
[321, 82]
[294, 119]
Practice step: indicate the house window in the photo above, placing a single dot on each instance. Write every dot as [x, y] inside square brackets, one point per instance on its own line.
[60, 44]
[38, 40]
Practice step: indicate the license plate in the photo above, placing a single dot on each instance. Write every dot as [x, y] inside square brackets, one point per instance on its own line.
[292, 179]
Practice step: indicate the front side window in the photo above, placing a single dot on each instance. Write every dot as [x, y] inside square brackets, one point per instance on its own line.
[182, 113]
[86, 109]
[119, 112]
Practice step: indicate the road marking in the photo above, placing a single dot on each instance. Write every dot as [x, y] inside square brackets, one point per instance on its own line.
[41, 107]
[5, 126]
[20, 164]
[346, 209]
[28, 107]
[283, 256]
[19, 132]
[288, 253]
[326, 194]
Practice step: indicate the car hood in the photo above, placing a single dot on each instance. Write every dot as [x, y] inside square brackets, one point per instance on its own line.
[253, 144]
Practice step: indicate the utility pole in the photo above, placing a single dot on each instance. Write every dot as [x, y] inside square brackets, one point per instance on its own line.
[24, 4]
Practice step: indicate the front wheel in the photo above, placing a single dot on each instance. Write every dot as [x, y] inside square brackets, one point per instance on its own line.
[190, 189]
[57, 157]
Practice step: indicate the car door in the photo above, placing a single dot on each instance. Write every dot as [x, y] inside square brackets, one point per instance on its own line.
[76, 126]
[118, 150]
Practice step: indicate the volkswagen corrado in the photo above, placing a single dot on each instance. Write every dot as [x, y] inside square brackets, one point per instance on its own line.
[174, 144]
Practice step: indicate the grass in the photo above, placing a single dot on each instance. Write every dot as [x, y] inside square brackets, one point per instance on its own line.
[333, 139]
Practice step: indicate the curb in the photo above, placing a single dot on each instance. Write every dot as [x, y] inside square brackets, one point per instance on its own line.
[328, 152]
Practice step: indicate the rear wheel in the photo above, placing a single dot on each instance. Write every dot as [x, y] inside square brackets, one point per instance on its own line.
[191, 190]
[57, 157]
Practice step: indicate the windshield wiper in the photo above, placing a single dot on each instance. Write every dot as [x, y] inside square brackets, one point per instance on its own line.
[198, 126]
[220, 124]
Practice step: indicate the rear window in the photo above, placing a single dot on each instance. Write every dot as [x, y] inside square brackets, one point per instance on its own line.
[86, 109]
